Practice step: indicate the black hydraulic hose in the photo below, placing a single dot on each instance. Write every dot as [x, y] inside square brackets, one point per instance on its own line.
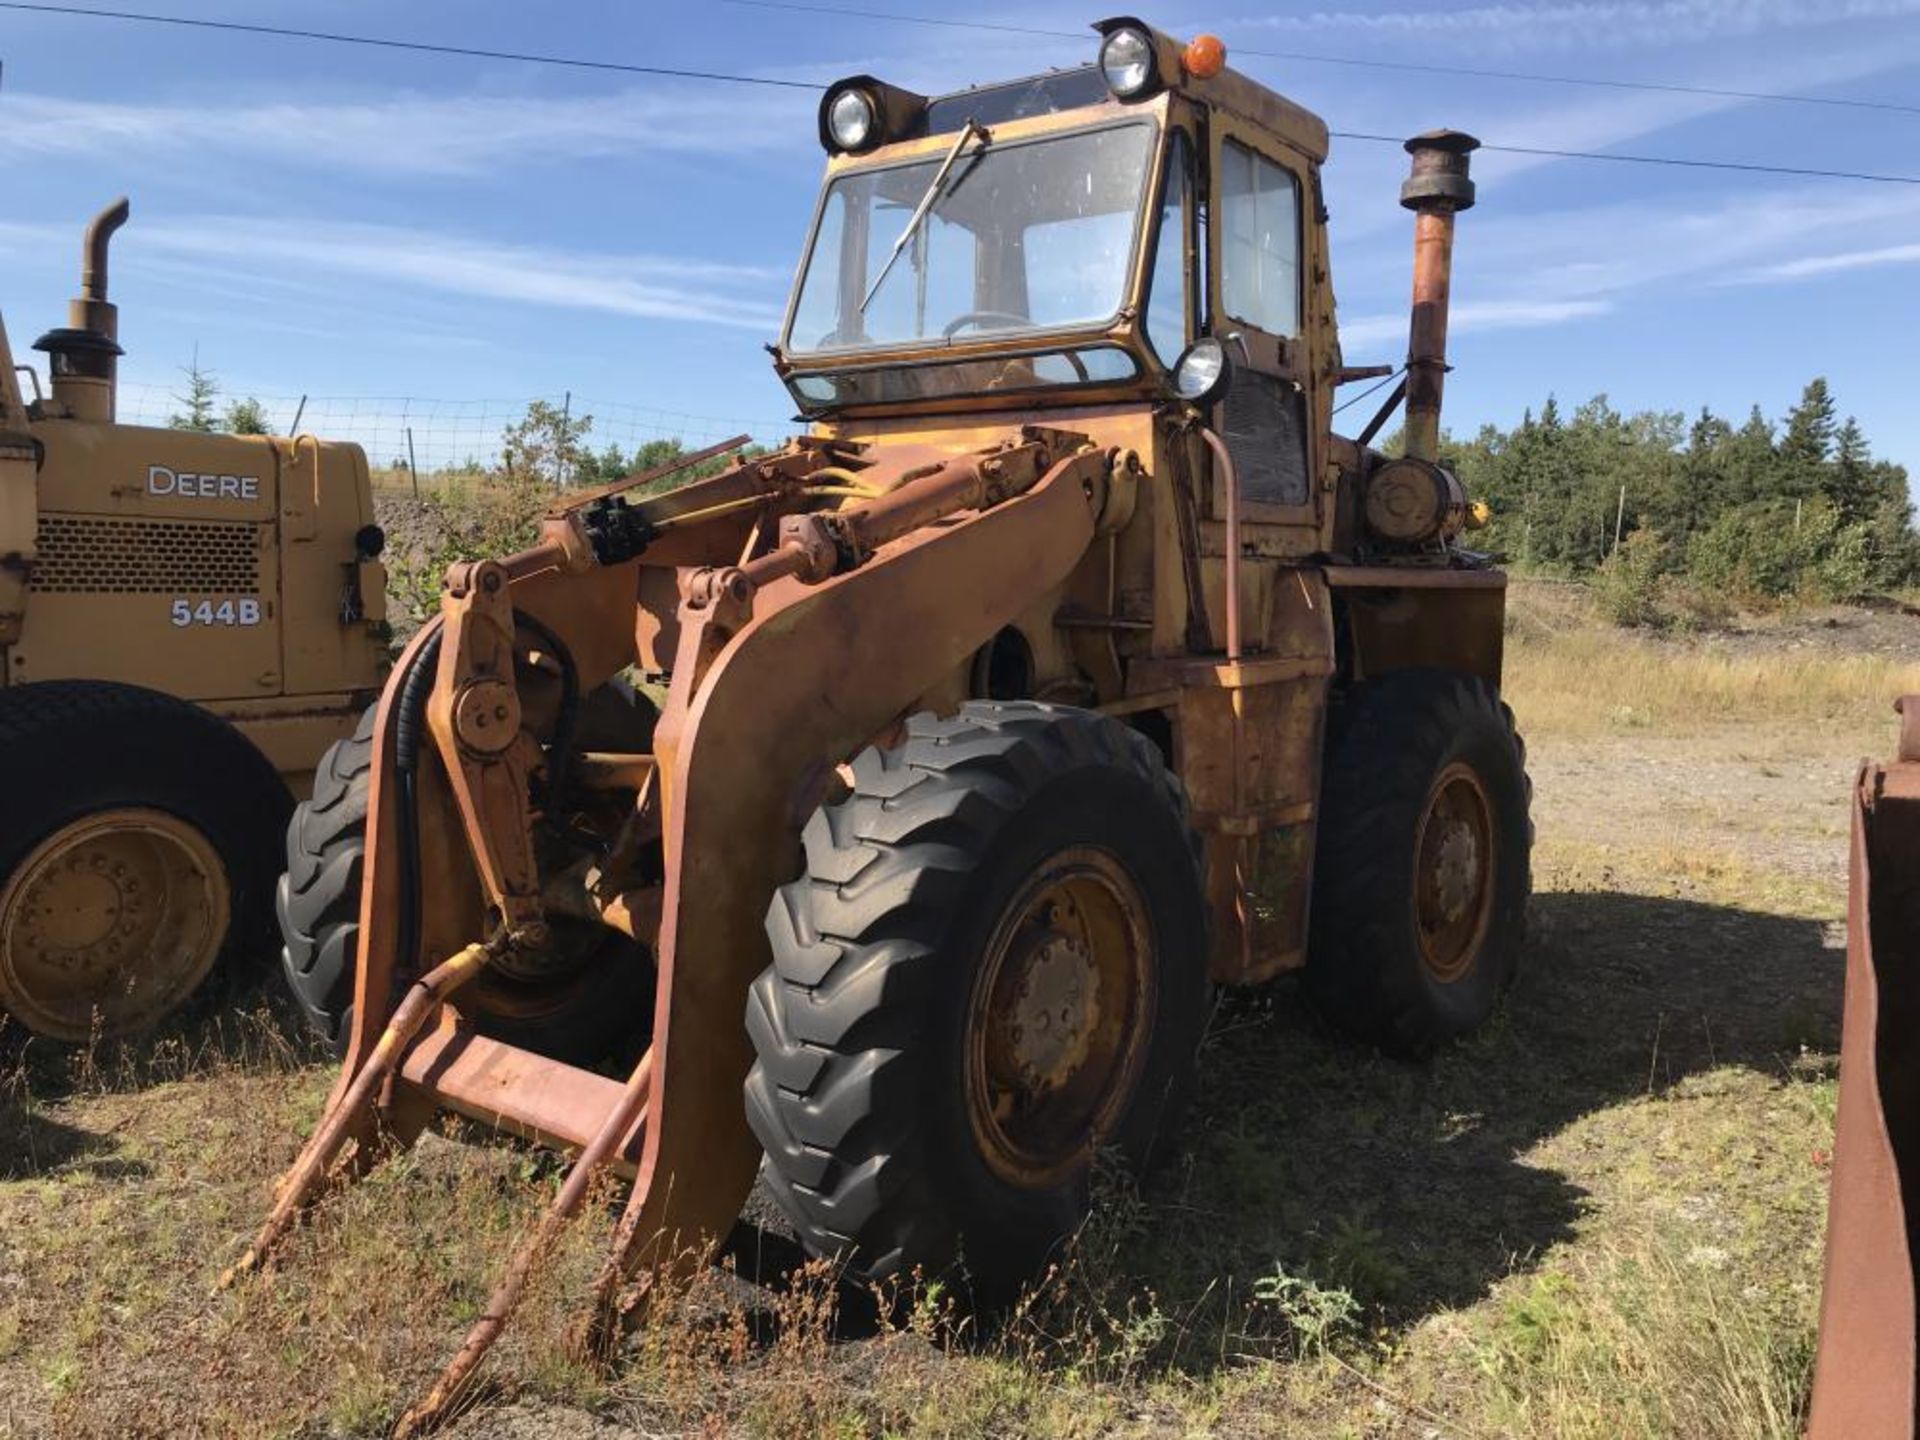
[409, 725]
[412, 720]
[560, 750]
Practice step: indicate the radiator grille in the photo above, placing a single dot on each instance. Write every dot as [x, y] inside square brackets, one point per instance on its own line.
[85, 553]
[1265, 430]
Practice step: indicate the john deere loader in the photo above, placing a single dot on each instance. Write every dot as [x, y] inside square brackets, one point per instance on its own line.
[186, 622]
[1069, 669]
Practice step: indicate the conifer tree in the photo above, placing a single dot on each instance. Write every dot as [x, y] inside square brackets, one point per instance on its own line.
[1808, 442]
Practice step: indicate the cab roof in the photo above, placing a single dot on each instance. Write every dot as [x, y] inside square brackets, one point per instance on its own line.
[1083, 87]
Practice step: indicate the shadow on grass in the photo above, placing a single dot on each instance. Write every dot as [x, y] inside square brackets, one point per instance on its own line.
[34, 1144]
[237, 1024]
[1403, 1183]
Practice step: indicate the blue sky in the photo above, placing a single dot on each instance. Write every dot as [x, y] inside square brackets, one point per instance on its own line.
[346, 222]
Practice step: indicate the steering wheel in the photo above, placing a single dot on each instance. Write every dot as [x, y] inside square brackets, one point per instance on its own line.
[976, 317]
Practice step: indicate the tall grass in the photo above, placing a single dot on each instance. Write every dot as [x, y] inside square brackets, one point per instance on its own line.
[1587, 680]
[1641, 1341]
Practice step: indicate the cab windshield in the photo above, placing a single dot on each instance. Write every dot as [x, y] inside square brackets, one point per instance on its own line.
[1022, 236]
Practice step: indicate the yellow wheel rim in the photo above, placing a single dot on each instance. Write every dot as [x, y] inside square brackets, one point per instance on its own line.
[1059, 1018]
[109, 923]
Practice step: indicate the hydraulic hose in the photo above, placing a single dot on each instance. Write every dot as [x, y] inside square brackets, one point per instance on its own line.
[408, 728]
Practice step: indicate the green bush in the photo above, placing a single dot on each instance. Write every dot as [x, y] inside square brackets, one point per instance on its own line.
[1746, 514]
[1627, 588]
[1689, 605]
[1777, 549]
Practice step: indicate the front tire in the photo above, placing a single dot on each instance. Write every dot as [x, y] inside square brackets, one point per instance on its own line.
[1423, 865]
[992, 969]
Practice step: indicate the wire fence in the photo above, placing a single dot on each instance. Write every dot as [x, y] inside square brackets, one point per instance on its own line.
[455, 437]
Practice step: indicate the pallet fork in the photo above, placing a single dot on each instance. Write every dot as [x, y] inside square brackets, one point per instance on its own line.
[809, 648]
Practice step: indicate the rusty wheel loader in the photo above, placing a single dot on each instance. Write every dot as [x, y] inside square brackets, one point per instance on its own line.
[1867, 1373]
[186, 622]
[1069, 668]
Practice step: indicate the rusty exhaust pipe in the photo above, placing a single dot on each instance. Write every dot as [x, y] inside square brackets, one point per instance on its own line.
[93, 261]
[1437, 189]
[84, 358]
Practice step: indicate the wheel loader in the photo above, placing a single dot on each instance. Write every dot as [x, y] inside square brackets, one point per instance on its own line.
[1866, 1382]
[187, 621]
[1070, 668]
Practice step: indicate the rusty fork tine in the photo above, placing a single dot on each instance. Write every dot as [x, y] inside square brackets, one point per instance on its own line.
[616, 1128]
[597, 1333]
[310, 1170]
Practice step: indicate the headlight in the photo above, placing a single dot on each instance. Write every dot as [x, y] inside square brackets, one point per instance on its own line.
[851, 119]
[1126, 59]
[1200, 375]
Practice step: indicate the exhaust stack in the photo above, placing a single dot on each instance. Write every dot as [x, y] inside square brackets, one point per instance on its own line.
[84, 357]
[1437, 189]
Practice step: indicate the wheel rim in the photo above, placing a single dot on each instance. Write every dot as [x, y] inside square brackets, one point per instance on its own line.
[1454, 865]
[110, 922]
[1059, 1017]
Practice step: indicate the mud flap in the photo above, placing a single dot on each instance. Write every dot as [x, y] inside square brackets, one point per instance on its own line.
[1865, 1372]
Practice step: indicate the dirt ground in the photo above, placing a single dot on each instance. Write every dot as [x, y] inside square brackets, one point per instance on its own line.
[1602, 1216]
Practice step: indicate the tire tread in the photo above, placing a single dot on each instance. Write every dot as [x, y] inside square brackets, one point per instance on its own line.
[834, 1018]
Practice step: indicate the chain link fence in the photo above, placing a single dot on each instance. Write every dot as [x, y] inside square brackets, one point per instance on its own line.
[457, 437]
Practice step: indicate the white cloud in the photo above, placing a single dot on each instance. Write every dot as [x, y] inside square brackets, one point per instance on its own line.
[636, 285]
[1602, 250]
[1363, 178]
[1813, 265]
[1571, 264]
[24, 240]
[1372, 330]
[414, 134]
[1573, 26]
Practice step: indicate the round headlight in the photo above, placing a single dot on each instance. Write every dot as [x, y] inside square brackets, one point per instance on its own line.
[1200, 374]
[850, 119]
[1126, 59]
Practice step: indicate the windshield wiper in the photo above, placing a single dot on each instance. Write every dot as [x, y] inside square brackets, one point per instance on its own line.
[934, 188]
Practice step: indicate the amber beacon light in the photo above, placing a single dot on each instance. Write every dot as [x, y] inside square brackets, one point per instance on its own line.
[1204, 57]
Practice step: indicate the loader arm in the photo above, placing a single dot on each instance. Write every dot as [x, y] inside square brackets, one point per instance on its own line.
[820, 672]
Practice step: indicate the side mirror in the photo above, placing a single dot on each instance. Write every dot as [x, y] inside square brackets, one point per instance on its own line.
[1203, 372]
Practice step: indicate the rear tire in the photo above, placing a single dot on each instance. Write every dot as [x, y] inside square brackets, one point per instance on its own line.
[581, 1018]
[1423, 866]
[993, 968]
[131, 853]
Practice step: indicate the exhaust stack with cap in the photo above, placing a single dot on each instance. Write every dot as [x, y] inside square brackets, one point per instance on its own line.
[84, 357]
[1437, 189]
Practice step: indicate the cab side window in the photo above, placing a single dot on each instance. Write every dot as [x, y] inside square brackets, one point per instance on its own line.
[1259, 241]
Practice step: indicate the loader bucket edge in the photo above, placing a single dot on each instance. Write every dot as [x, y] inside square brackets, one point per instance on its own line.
[1864, 1377]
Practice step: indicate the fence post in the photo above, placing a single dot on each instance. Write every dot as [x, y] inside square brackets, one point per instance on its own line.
[560, 443]
[413, 465]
